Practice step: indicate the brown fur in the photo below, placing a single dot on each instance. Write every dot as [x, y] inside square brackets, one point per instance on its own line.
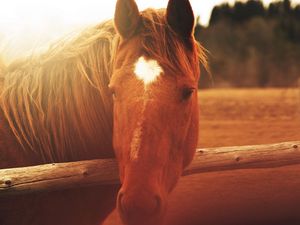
[166, 122]
[57, 107]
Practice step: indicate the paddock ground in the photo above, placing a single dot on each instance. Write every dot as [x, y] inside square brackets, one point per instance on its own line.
[231, 117]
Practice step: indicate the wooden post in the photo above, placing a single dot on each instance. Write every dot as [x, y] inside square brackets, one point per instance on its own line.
[57, 176]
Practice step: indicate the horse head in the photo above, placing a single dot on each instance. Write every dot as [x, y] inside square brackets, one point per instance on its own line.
[154, 86]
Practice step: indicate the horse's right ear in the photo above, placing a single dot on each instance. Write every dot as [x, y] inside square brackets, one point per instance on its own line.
[127, 17]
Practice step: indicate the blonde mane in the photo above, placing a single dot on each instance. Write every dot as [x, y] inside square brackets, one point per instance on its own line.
[60, 98]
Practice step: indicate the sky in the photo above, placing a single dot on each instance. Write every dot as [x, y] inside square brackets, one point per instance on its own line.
[27, 24]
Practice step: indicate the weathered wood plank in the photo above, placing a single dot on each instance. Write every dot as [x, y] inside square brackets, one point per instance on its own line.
[51, 177]
[245, 157]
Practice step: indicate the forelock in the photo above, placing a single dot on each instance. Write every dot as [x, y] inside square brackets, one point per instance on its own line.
[161, 43]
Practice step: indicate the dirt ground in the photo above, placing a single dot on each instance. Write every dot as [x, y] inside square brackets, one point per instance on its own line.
[230, 117]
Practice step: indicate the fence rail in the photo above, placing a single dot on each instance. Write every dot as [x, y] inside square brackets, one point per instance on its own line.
[50, 177]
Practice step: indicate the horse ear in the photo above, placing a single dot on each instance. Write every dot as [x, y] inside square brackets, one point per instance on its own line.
[127, 17]
[180, 17]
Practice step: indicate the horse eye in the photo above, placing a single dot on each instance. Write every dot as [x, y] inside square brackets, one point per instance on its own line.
[187, 93]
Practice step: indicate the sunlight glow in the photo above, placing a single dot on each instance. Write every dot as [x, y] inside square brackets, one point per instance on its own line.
[147, 70]
[30, 24]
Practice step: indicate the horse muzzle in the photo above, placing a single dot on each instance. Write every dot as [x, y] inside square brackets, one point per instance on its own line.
[141, 200]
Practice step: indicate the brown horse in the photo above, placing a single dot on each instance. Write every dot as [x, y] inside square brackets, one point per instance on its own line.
[129, 93]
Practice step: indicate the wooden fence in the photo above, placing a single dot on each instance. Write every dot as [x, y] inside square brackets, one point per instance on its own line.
[56, 176]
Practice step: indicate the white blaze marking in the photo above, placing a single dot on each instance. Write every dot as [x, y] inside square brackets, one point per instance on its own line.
[147, 70]
[136, 141]
[137, 134]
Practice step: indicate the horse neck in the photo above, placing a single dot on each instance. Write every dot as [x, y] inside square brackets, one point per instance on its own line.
[97, 143]
[67, 114]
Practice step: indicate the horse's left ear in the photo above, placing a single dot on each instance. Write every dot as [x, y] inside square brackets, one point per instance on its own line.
[180, 17]
[127, 17]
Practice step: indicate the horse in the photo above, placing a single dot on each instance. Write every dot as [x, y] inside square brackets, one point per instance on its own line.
[126, 88]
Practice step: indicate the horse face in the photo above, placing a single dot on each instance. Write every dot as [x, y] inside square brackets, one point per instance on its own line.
[155, 110]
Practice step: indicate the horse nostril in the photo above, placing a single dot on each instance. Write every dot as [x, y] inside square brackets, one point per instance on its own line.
[158, 204]
[119, 201]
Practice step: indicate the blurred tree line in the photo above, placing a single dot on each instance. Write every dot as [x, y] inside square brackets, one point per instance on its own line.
[252, 46]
